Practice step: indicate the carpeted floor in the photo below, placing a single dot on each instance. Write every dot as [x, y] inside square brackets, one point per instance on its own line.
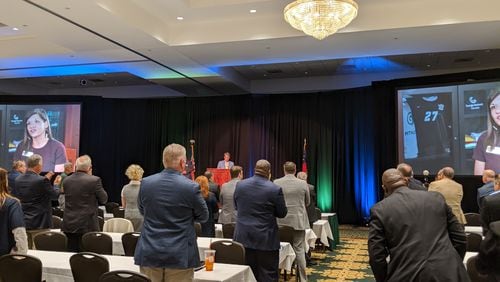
[347, 262]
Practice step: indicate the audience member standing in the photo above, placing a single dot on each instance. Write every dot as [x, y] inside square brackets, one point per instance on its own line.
[18, 168]
[258, 202]
[297, 197]
[418, 231]
[13, 237]
[84, 193]
[487, 188]
[451, 191]
[68, 170]
[407, 172]
[129, 194]
[491, 207]
[311, 209]
[213, 188]
[207, 227]
[170, 203]
[36, 194]
[228, 213]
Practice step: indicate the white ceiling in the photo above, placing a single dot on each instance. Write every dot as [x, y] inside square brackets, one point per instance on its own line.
[207, 52]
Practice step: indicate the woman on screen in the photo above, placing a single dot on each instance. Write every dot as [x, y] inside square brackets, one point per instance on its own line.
[487, 151]
[38, 140]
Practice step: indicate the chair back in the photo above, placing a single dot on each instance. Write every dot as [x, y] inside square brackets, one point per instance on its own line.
[318, 214]
[51, 241]
[97, 242]
[474, 275]
[88, 267]
[100, 212]
[58, 212]
[101, 222]
[197, 229]
[110, 206]
[20, 268]
[56, 222]
[473, 219]
[286, 233]
[129, 241]
[228, 230]
[118, 225]
[227, 251]
[118, 212]
[123, 276]
[473, 242]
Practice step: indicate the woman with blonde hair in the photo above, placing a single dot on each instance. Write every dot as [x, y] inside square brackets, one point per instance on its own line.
[208, 228]
[130, 193]
[13, 237]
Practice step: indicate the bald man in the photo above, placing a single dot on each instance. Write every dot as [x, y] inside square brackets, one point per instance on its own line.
[487, 188]
[418, 231]
[451, 191]
[407, 171]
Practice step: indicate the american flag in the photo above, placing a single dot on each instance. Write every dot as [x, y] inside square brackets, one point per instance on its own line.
[304, 156]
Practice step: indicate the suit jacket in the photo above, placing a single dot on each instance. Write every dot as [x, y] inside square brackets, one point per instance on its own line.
[83, 195]
[484, 191]
[12, 180]
[220, 164]
[422, 236]
[452, 193]
[416, 184]
[490, 211]
[258, 202]
[228, 213]
[311, 209]
[36, 194]
[297, 197]
[170, 204]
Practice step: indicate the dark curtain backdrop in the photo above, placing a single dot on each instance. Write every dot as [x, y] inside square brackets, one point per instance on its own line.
[352, 136]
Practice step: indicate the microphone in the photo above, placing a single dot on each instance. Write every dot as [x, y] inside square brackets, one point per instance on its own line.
[191, 141]
[426, 177]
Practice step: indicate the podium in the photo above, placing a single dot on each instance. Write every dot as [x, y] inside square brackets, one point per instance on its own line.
[221, 175]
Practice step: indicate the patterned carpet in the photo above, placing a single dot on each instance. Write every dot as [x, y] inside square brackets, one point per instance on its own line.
[347, 262]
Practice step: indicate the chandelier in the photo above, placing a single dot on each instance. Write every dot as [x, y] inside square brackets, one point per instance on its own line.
[320, 18]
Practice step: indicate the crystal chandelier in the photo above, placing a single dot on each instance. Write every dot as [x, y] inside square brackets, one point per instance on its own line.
[320, 18]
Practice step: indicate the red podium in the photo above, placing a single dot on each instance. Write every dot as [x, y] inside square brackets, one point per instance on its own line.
[221, 176]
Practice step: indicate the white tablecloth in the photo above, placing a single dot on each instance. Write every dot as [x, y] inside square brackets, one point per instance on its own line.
[474, 229]
[310, 240]
[56, 268]
[326, 215]
[286, 253]
[322, 229]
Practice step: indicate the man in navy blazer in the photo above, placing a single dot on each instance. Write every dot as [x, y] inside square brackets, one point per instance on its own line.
[488, 187]
[170, 203]
[225, 163]
[258, 202]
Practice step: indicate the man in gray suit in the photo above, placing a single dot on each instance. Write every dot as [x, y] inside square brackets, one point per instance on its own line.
[297, 197]
[228, 213]
[83, 195]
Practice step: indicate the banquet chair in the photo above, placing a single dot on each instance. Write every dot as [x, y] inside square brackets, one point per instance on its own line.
[129, 241]
[286, 235]
[118, 225]
[88, 267]
[197, 229]
[473, 242]
[110, 206]
[474, 275]
[51, 241]
[123, 276]
[473, 219]
[228, 230]
[58, 212]
[100, 212]
[20, 268]
[118, 212]
[56, 222]
[227, 251]
[97, 242]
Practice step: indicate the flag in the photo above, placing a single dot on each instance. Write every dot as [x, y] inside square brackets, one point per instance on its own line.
[304, 156]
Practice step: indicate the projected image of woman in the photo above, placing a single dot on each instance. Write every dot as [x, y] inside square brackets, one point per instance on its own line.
[487, 151]
[38, 140]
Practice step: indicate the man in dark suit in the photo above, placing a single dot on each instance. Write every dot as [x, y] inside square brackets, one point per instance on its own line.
[36, 194]
[491, 207]
[83, 194]
[258, 202]
[488, 187]
[407, 171]
[311, 209]
[418, 231]
[18, 168]
[170, 203]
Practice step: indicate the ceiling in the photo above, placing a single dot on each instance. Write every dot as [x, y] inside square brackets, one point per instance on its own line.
[138, 48]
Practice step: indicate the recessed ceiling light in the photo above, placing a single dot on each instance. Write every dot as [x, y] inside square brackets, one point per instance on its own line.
[253, 11]
[15, 29]
[180, 18]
